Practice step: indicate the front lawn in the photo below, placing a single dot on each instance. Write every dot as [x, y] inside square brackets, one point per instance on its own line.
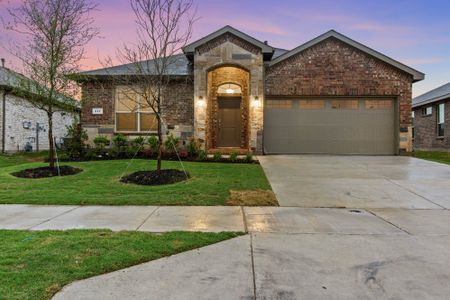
[37, 264]
[98, 183]
[442, 157]
[21, 158]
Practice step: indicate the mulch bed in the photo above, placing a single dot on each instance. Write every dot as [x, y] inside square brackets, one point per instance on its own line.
[44, 172]
[167, 176]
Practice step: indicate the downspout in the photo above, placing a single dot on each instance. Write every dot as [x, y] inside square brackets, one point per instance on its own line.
[3, 121]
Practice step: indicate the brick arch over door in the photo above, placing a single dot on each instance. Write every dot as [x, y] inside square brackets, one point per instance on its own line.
[216, 77]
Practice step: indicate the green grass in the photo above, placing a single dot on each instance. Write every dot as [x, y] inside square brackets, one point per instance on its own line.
[209, 184]
[35, 265]
[7, 160]
[442, 157]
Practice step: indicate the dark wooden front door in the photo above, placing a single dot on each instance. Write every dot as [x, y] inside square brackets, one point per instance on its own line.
[229, 125]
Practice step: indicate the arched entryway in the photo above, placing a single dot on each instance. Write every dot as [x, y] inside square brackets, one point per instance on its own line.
[227, 122]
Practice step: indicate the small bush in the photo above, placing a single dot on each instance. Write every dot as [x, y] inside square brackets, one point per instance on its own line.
[75, 141]
[120, 144]
[202, 155]
[153, 143]
[249, 157]
[193, 147]
[137, 145]
[172, 144]
[100, 143]
[233, 156]
[217, 156]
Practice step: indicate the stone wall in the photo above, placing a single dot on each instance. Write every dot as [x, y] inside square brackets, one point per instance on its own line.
[176, 108]
[425, 129]
[216, 78]
[228, 51]
[21, 119]
[333, 68]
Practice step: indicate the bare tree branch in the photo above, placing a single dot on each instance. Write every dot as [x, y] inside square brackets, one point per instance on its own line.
[164, 27]
[55, 32]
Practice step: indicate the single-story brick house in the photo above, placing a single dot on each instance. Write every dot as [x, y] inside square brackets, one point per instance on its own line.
[22, 125]
[431, 120]
[329, 95]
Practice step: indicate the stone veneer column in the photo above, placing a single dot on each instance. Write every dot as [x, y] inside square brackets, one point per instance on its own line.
[222, 54]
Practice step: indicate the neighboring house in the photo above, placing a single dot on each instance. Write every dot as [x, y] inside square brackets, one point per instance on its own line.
[23, 126]
[233, 92]
[431, 113]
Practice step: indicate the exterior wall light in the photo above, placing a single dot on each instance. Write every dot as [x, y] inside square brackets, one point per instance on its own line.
[256, 102]
[201, 102]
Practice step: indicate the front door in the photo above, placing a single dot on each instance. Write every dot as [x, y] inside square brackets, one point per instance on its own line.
[229, 125]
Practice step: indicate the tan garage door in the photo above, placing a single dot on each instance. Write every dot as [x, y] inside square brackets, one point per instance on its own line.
[330, 126]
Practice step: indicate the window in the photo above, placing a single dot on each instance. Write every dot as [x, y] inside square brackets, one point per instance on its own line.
[312, 104]
[344, 104]
[427, 111]
[378, 104]
[412, 123]
[440, 119]
[132, 113]
[279, 103]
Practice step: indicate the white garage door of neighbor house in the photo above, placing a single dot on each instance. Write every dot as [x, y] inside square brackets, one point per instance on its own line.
[330, 126]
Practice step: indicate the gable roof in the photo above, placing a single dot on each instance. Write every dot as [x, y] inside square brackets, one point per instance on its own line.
[11, 81]
[437, 94]
[417, 76]
[228, 29]
[179, 66]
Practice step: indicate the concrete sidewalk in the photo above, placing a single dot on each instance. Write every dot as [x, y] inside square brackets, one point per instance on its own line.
[296, 253]
[292, 220]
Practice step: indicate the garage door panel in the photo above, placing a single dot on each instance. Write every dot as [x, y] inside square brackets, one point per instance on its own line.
[330, 130]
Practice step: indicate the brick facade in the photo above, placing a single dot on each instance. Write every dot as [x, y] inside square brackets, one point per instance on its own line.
[333, 68]
[177, 108]
[425, 129]
[329, 68]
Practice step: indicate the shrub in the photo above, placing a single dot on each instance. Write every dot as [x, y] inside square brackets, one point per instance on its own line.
[217, 156]
[120, 145]
[100, 143]
[193, 147]
[172, 144]
[75, 141]
[154, 143]
[202, 155]
[249, 157]
[90, 154]
[139, 141]
[233, 156]
[137, 145]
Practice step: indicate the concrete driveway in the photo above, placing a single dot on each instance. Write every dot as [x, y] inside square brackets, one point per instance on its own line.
[349, 228]
[358, 181]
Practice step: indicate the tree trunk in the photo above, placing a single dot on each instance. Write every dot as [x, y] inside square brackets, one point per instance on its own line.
[160, 148]
[51, 150]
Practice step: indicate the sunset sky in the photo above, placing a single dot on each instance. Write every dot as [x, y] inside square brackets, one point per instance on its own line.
[416, 33]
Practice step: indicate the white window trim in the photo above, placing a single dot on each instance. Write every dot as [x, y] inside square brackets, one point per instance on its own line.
[138, 112]
[438, 114]
[426, 113]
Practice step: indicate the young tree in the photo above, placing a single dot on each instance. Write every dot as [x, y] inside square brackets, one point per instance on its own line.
[164, 27]
[55, 33]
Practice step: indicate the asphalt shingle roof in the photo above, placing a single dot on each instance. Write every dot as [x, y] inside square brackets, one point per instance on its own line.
[437, 94]
[11, 80]
[178, 67]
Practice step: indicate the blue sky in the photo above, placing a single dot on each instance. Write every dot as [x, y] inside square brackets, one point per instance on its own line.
[416, 33]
